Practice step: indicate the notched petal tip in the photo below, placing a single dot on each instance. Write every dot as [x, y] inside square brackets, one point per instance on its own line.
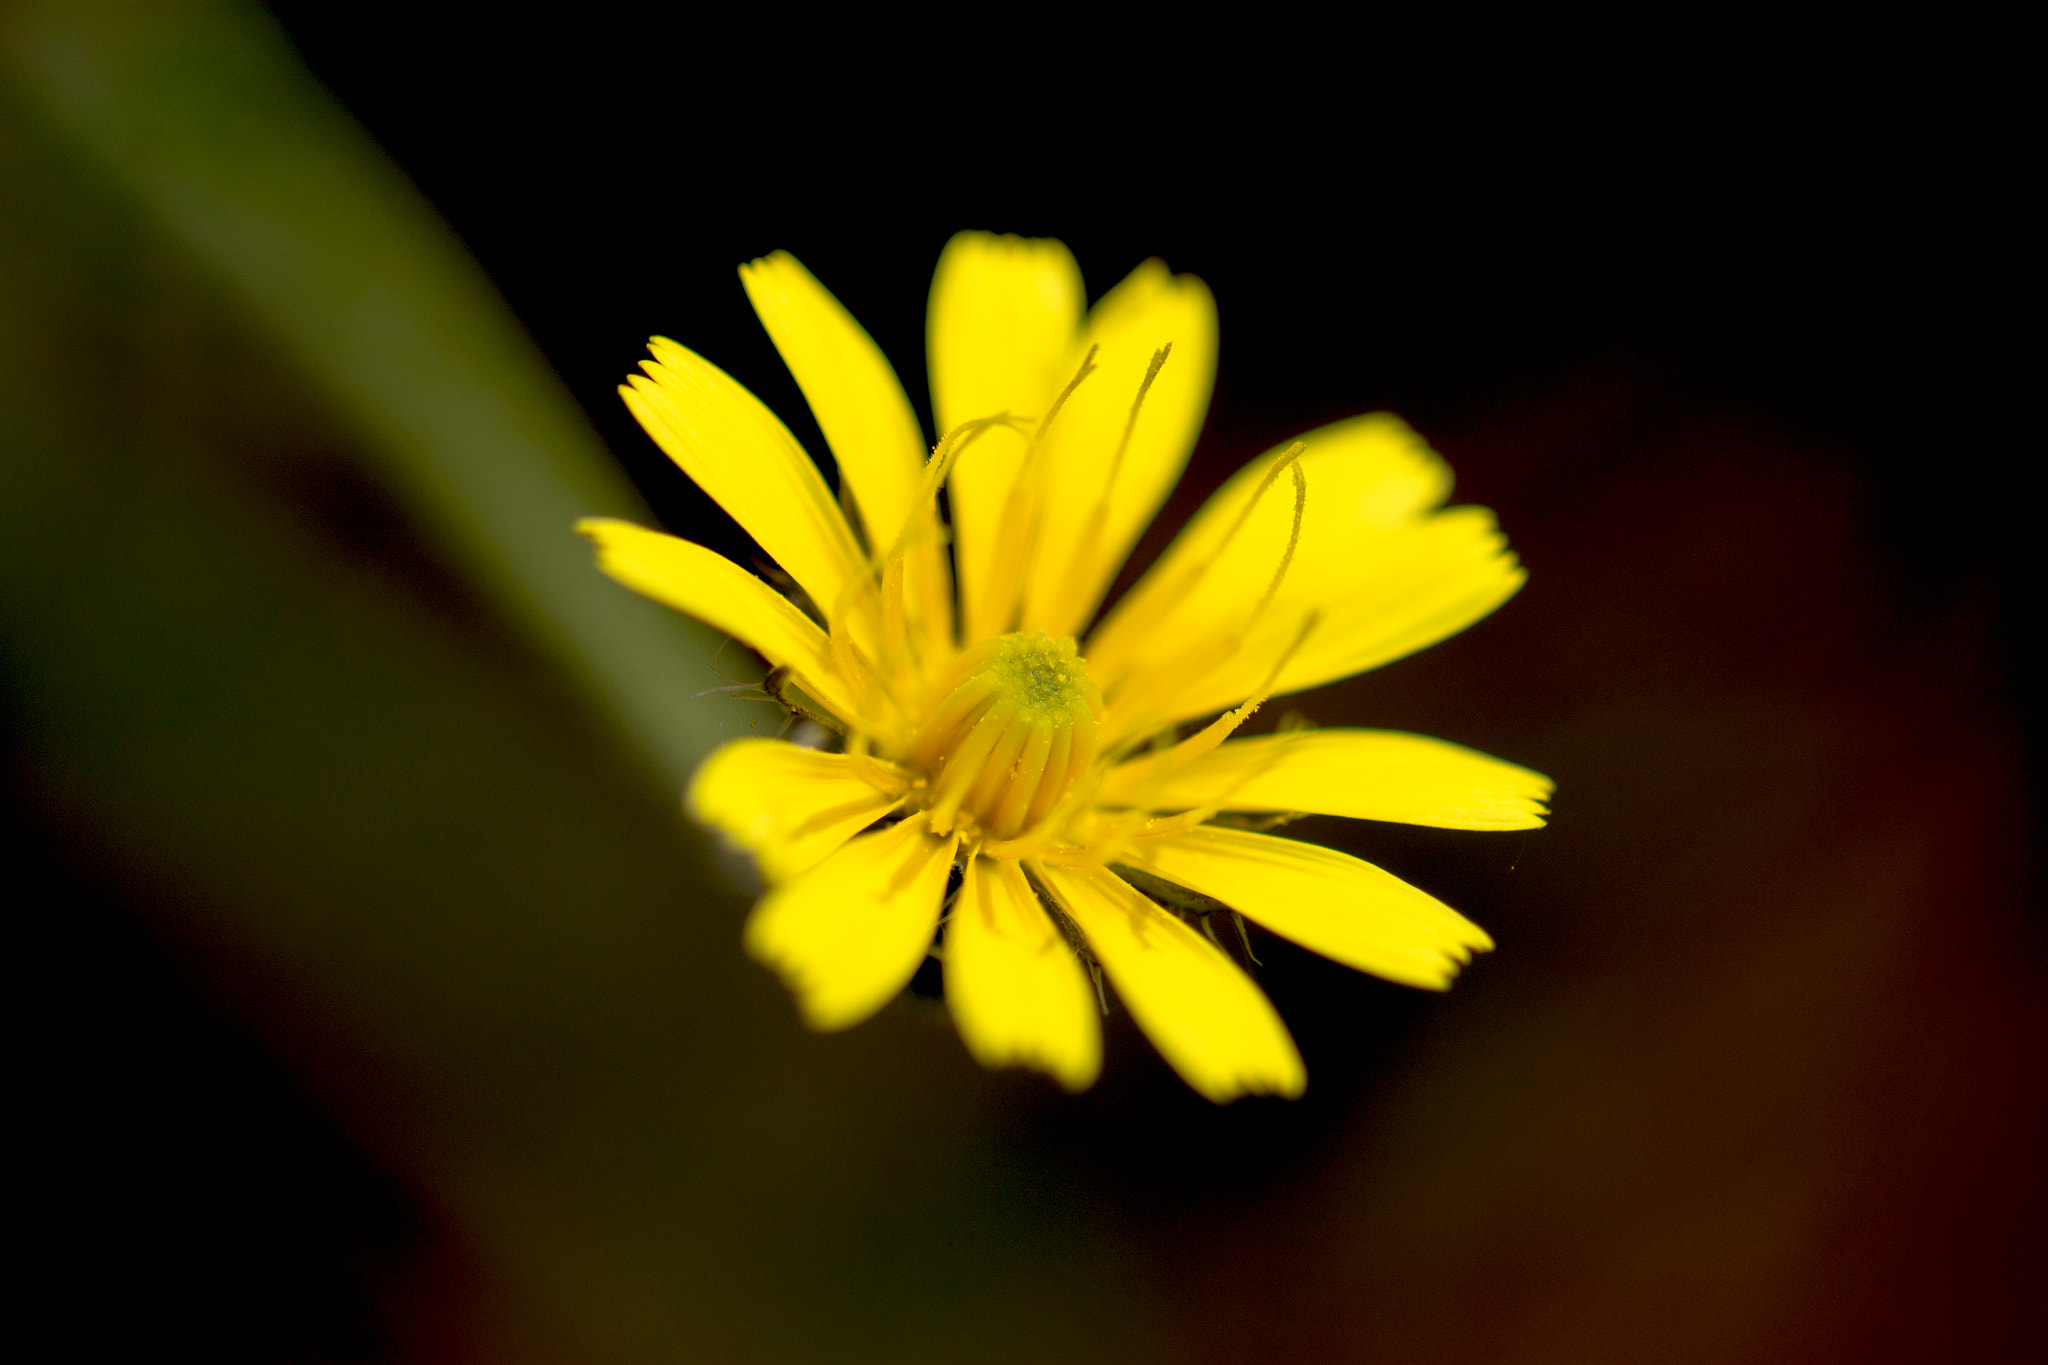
[1359, 774]
[740, 453]
[1209, 1020]
[1016, 991]
[848, 935]
[1329, 902]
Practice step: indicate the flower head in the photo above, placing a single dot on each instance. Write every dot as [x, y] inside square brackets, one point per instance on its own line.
[1071, 805]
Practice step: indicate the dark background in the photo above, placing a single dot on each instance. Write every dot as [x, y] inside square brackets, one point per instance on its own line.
[1756, 1073]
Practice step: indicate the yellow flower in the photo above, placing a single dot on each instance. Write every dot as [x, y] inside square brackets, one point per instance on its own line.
[1067, 783]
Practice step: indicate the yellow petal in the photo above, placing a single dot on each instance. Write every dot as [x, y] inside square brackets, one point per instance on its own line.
[1363, 774]
[742, 455]
[1376, 574]
[1097, 504]
[1017, 992]
[867, 420]
[1000, 333]
[720, 593]
[788, 806]
[1330, 902]
[852, 391]
[1207, 1019]
[849, 934]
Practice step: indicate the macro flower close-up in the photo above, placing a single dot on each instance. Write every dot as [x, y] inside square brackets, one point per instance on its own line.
[1048, 791]
[979, 792]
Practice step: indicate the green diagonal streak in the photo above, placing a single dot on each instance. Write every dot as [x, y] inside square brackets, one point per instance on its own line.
[206, 117]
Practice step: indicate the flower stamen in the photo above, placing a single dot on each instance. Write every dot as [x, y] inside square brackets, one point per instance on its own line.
[1219, 648]
[1137, 824]
[1017, 544]
[1075, 587]
[1116, 644]
[1293, 543]
[1011, 739]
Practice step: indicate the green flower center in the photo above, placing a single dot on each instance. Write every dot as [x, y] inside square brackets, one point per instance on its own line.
[1010, 738]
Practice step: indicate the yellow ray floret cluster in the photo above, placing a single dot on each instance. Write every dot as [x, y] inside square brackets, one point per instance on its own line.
[1038, 793]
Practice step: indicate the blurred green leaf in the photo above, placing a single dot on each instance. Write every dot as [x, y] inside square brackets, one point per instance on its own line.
[204, 117]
